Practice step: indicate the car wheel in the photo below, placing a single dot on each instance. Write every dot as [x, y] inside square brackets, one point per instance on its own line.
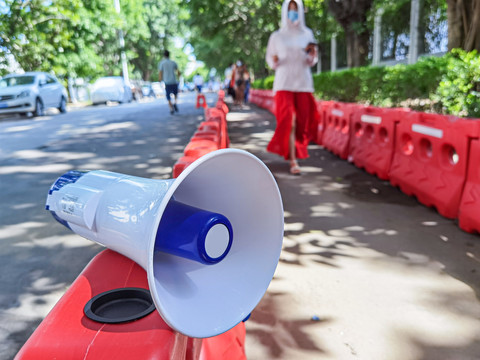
[63, 105]
[39, 108]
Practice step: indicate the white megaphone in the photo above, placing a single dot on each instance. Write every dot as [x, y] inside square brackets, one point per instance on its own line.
[209, 240]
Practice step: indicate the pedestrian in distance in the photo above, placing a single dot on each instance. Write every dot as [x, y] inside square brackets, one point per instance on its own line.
[169, 73]
[198, 82]
[231, 85]
[247, 87]
[291, 52]
[241, 75]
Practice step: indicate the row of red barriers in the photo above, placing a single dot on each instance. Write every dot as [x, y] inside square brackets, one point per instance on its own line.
[66, 333]
[263, 98]
[432, 157]
[211, 135]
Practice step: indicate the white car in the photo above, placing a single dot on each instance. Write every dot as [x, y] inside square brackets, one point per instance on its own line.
[31, 92]
[111, 88]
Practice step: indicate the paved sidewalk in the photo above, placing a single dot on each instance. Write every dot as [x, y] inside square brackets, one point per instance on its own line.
[366, 272]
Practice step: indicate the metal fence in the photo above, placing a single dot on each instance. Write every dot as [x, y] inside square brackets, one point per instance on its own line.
[400, 34]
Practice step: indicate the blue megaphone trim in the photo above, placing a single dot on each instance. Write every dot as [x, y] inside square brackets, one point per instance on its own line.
[69, 177]
[183, 232]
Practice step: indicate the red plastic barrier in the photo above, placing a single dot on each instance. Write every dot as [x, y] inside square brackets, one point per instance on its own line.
[263, 98]
[201, 101]
[469, 211]
[213, 132]
[216, 115]
[227, 346]
[182, 164]
[372, 139]
[254, 97]
[66, 333]
[260, 97]
[200, 147]
[210, 125]
[320, 126]
[269, 102]
[336, 134]
[207, 135]
[266, 100]
[222, 106]
[431, 157]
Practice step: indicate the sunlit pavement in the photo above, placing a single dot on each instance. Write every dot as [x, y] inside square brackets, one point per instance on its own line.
[366, 272]
[39, 258]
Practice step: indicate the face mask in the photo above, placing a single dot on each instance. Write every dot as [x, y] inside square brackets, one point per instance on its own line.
[293, 15]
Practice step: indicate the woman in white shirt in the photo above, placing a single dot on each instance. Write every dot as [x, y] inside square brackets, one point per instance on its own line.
[291, 52]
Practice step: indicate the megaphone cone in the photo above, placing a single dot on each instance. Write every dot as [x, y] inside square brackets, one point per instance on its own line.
[209, 240]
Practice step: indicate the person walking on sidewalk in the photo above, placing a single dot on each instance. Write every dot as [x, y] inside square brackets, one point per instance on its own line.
[168, 73]
[291, 51]
[198, 82]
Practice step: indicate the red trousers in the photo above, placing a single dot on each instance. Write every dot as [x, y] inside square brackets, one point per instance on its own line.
[303, 106]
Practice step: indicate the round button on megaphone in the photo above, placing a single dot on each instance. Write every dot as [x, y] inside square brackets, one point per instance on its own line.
[209, 240]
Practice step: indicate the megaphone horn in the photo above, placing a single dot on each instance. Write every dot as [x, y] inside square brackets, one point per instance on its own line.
[209, 240]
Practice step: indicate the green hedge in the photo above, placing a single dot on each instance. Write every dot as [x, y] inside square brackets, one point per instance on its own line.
[448, 84]
[459, 90]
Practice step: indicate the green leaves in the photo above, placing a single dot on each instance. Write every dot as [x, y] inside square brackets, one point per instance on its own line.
[451, 83]
[459, 90]
[70, 37]
[224, 31]
[78, 38]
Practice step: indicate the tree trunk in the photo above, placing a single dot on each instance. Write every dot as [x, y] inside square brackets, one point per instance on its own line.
[422, 43]
[361, 44]
[472, 40]
[463, 24]
[352, 16]
[350, 40]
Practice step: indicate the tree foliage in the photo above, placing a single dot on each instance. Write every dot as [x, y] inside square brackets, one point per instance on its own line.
[459, 90]
[224, 31]
[69, 37]
[151, 26]
[79, 38]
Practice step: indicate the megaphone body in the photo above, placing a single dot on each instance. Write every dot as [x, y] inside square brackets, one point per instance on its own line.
[209, 240]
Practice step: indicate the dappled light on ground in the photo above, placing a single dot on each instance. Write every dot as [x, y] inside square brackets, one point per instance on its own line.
[391, 278]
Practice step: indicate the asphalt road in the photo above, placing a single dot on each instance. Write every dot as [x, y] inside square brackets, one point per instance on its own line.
[39, 258]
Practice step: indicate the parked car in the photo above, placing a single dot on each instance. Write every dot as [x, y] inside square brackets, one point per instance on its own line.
[136, 88]
[188, 86]
[111, 88]
[32, 92]
[147, 90]
[158, 89]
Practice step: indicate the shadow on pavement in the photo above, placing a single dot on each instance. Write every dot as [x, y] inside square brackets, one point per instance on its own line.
[342, 223]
